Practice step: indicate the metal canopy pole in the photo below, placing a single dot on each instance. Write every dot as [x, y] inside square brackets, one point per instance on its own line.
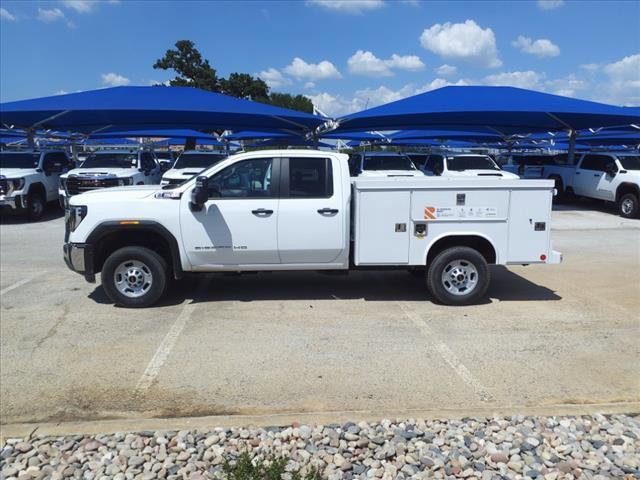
[572, 147]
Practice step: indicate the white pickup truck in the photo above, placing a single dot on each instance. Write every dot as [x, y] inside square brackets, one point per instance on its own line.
[111, 168]
[29, 179]
[189, 164]
[614, 177]
[300, 210]
[460, 165]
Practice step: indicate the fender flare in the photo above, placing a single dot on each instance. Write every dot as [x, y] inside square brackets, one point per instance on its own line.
[458, 234]
[105, 228]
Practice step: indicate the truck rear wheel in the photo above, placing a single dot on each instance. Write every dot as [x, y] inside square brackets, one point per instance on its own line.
[628, 205]
[458, 276]
[134, 277]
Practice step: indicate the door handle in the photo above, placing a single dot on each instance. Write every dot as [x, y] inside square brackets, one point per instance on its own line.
[577, 173]
[596, 174]
[262, 212]
[325, 211]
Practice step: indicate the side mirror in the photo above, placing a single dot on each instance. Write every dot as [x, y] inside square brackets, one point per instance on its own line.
[200, 194]
[611, 169]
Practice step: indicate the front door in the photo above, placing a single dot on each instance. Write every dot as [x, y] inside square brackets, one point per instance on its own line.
[311, 220]
[589, 174]
[238, 224]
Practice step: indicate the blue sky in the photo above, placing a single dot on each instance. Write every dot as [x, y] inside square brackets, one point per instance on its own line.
[345, 55]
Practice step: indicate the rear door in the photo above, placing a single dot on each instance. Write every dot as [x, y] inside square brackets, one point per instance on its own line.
[53, 164]
[311, 215]
[589, 174]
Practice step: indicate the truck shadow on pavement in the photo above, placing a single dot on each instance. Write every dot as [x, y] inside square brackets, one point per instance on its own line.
[51, 213]
[370, 285]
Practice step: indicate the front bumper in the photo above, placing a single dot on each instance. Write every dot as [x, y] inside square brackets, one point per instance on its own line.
[79, 258]
[14, 202]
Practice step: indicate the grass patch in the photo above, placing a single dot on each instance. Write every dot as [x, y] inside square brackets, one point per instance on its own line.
[274, 468]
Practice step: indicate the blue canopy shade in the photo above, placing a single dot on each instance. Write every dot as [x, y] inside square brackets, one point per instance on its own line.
[446, 135]
[256, 135]
[109, 141]
[136, 108]
[156, 133]
[505, 110]
[290, 142]
[199, 141]
[362, 136]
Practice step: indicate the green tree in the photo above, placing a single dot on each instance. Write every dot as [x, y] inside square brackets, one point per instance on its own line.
[194, 71]
[191, 69]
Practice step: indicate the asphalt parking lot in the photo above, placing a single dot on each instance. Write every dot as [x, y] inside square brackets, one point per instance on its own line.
[295, 343]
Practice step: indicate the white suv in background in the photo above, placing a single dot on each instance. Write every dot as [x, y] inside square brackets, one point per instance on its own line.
[29, 179]
[463, 165]
[190, 164]
[111, 168]
[382, 164]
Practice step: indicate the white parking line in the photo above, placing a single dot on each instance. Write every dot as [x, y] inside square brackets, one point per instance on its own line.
[167, 344]
[22, 282]
[447, 355]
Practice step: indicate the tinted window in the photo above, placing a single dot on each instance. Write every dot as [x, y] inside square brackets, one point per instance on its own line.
[310, 177]
[418, 160]
[435, 164]
[630, 162]
[19, 160]
[111, 160]
[595, 162]
[248, 179]
[532, 159]
[55, 162]
[164, 155]
[388, 162]
[198, 160]
[471, 162]
[148, 162]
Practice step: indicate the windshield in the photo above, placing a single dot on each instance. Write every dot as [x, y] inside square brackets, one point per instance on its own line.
[388, 162]
[111, 160]
[164, 155]
[471, 162]
[19, 160]
[198, 160]
[630, 162]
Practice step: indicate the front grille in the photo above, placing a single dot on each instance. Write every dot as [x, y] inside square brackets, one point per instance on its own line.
[4, 186]
[76, 185]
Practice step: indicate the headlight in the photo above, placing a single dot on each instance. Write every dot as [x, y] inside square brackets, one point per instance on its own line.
[17, 183]
[125, 181]
[75, 215]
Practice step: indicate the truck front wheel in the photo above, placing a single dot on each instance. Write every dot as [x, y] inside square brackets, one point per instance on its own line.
[134, 277]
[458, 276]
[35, 205]
[628, 205]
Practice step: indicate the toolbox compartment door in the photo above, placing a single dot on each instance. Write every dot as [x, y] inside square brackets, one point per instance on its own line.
[382, 227]
[529, 226]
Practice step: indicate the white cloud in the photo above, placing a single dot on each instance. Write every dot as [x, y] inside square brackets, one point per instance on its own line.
[541, 48]
[590, 67]
[114, 80]
[274, 78]
[5, 15]
[80, 6]
[312, 71]
[462, 41]
[310, 85]
[527, 79]
[439, 83]
[61, 92]
[49, 15]
[549, 4]
[348, 6]
[626, 69]
[446, 70]
[334, 105]
[624, 80]
[366, 63]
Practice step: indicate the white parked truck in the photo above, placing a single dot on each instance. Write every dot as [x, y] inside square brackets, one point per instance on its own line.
[461, 165]
[382, 164]
[29, 179]
[111, 168]
[300, 210]
[614, 177]
[189, 164]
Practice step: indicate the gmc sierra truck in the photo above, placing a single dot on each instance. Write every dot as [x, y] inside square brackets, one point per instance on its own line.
[301, 210]
[614, 177]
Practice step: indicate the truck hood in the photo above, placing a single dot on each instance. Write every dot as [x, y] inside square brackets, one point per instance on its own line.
[105, 195]
[483, 173]
[101, 172]
[391, 173]
[182, 173]
[17, 172]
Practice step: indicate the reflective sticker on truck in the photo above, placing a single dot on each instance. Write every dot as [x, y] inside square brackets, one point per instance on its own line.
[436, 213]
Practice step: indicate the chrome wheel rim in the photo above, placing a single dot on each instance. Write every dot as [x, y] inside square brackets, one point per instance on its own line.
[460, 277]
[133, 278]
[627, 206]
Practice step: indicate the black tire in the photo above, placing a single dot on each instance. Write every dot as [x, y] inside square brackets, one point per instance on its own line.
[36, 205]
[464, 256]
[561, 195]
[156, 265]
[628, 206]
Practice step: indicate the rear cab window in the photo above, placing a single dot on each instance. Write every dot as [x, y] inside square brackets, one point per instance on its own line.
[309, 177]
